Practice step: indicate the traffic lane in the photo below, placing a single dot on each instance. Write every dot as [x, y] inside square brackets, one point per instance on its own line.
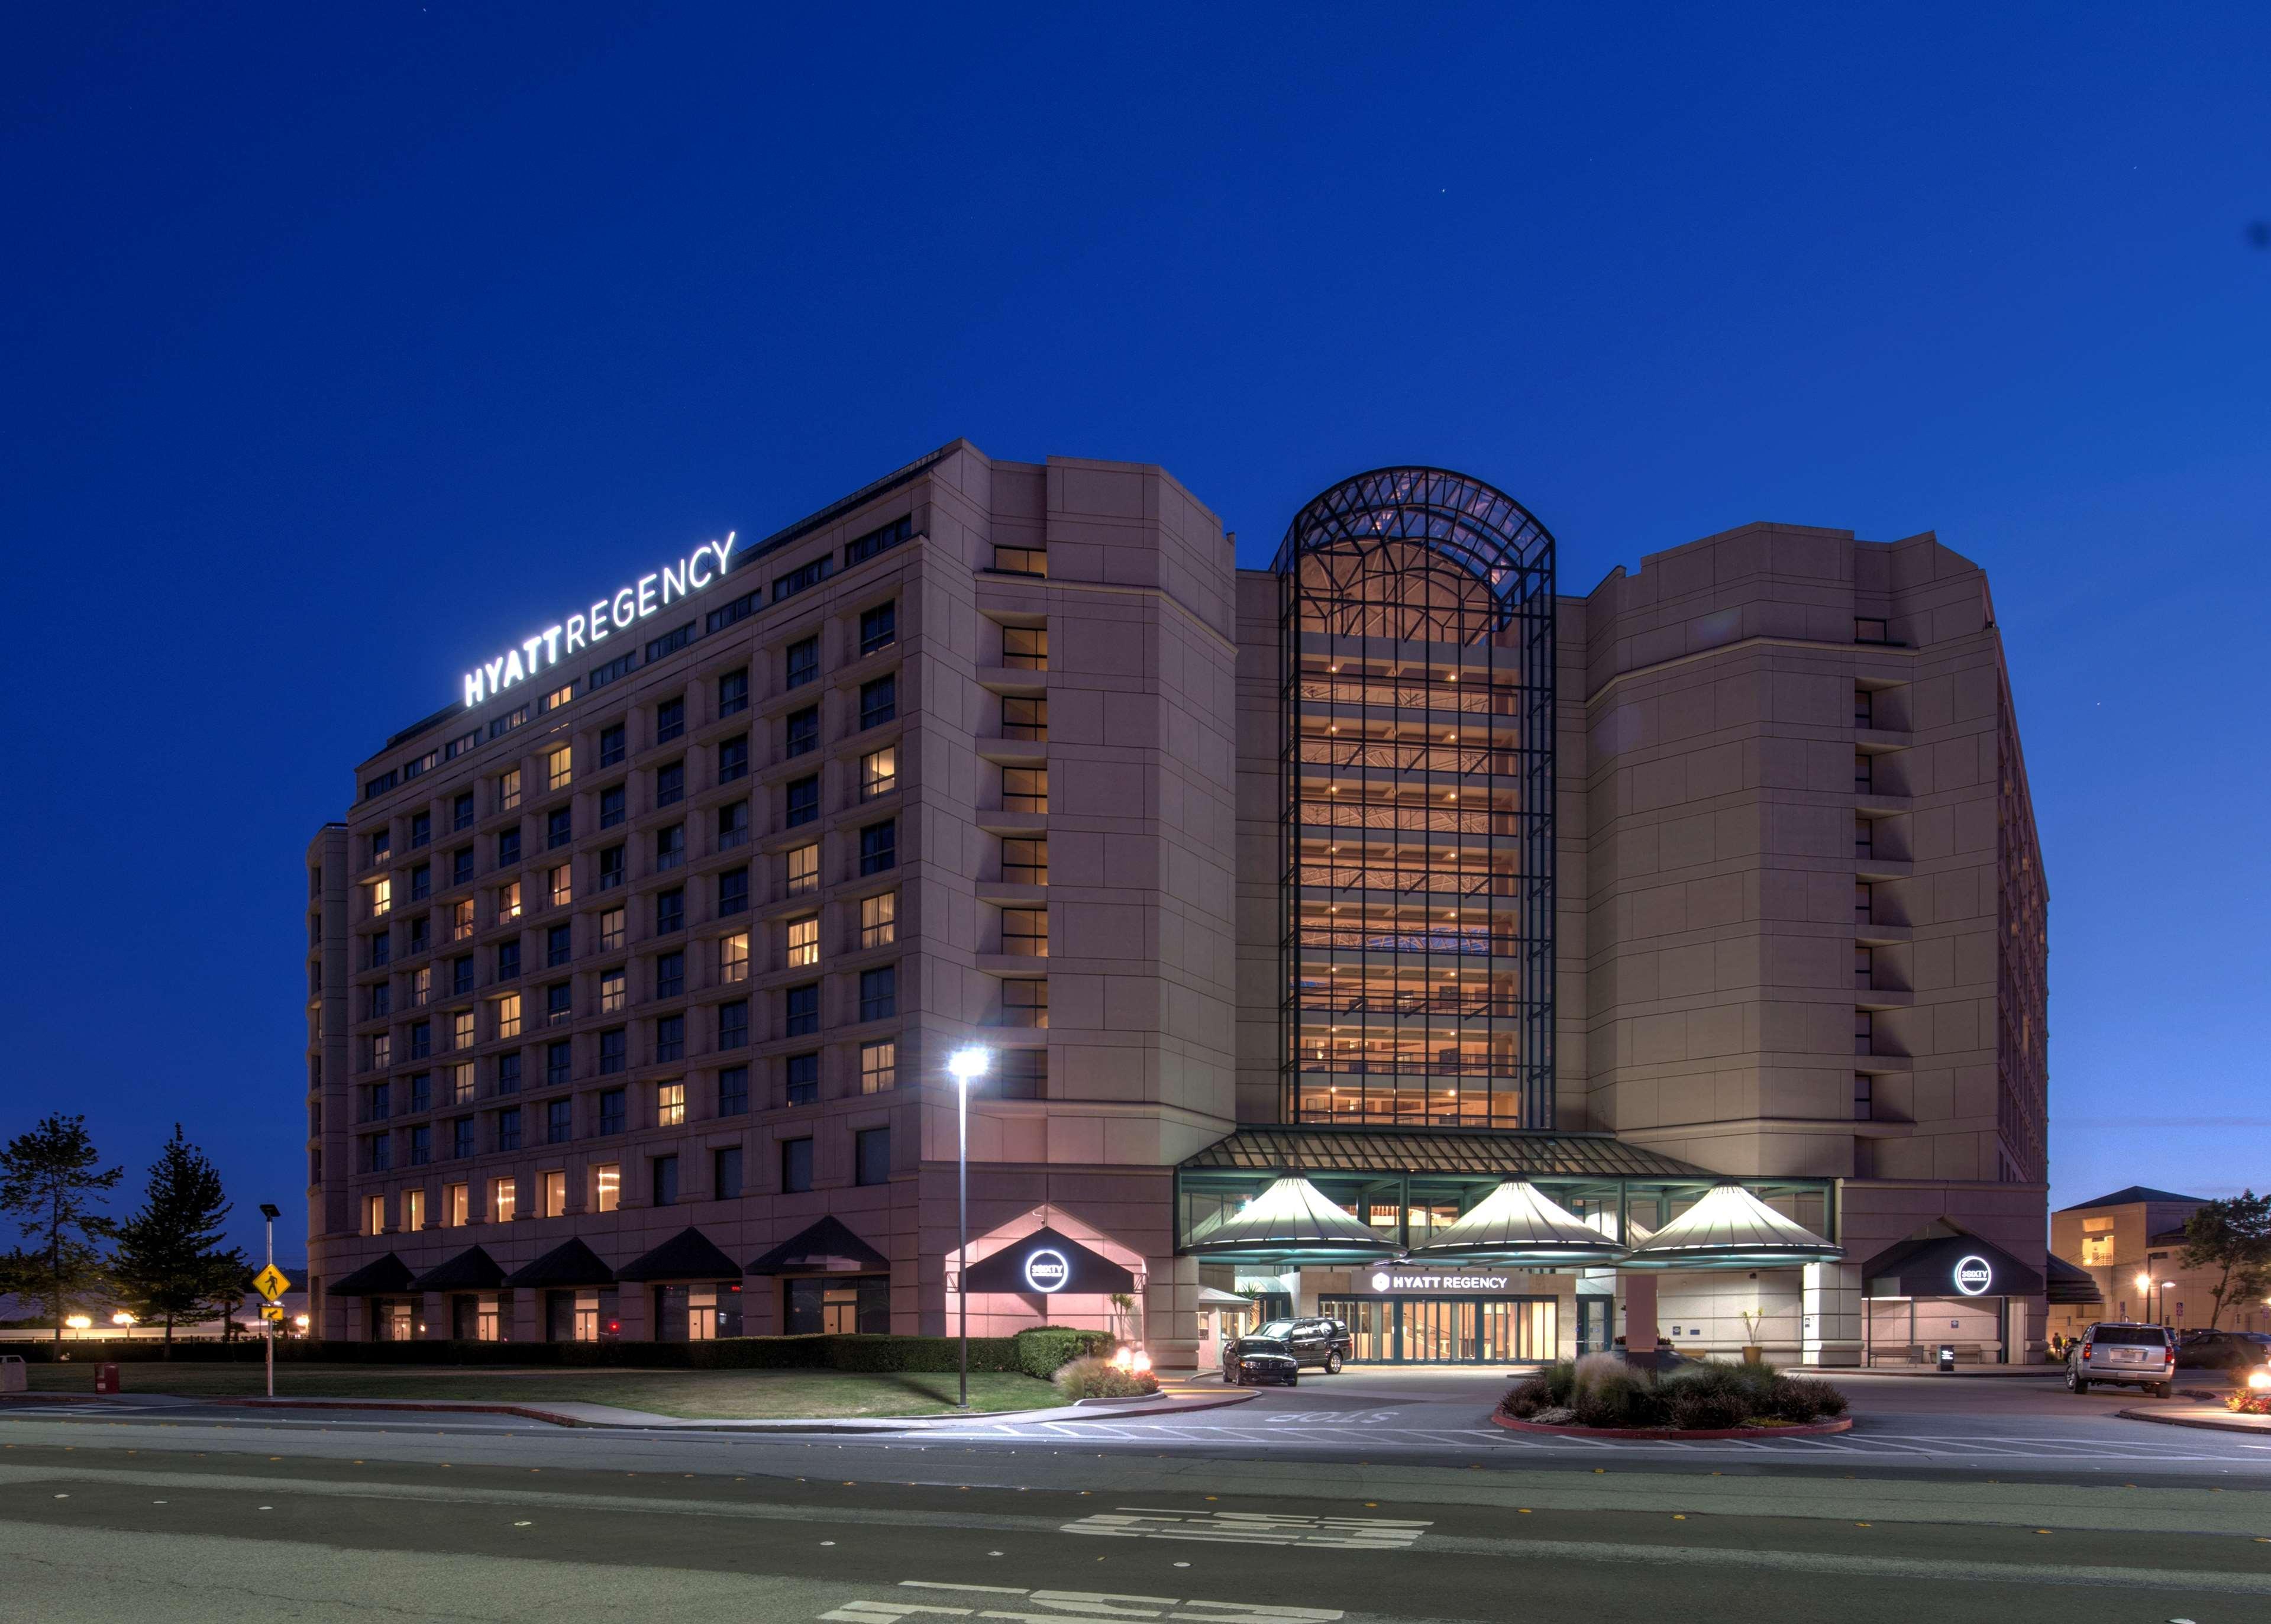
[1444, 1562]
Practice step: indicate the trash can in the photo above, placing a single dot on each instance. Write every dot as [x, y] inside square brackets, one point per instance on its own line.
[106, 1378]
[1947, 1356]
[15, 1375]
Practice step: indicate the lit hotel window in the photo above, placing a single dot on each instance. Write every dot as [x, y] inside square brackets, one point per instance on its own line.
[461, 1082]
[555, 1194]
[504, 1196]
[611, 991]
[804, 940]
[508, 902]
[556, 764]
[803, 869]
[509, 790]
[381, 897]
[508, 1015]
[413, 1210]
[461, 919]
[879, 919]
[374, 1215]
[611, 928]
[1026, 648]
[879, 1066]
[879, 773]
[562, 885]
[670, 1105]
[461, 1029]
[733, 957]
[608, 1186]
[454, 1206]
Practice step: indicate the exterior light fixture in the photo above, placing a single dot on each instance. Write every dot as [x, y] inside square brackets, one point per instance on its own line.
[78, 1321]
[122, 1318]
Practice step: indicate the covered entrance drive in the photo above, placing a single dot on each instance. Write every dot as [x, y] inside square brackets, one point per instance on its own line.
[1448, 1331]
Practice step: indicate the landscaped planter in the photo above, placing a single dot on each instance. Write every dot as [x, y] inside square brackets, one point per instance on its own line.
[1790, 1429]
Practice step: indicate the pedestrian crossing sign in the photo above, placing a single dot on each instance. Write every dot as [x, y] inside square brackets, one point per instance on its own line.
[271, 1283]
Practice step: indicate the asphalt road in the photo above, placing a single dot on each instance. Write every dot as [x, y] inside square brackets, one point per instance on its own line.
[1337, 1500]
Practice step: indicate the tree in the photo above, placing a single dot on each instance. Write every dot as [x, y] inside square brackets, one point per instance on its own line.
[49, 1185]
[170, 1260]
[2234, 1236]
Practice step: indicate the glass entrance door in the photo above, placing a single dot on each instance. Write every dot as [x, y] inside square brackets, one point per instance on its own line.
[1448, 1331]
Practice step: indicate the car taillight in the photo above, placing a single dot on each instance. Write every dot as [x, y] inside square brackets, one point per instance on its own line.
[2086, 1346]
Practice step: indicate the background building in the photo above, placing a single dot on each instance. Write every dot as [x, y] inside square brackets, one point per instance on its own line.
[2128, 1244]
[1387, 873]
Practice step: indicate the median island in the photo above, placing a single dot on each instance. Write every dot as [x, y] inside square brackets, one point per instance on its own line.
[1603, 1395]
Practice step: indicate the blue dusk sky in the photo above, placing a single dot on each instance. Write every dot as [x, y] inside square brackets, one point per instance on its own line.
[342, 343]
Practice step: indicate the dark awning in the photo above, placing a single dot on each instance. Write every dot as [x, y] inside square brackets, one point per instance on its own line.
[1282, 1149]
[572, 1263]
[1949, 1266]
[473, 1270]
[382, 1277]
[828, 1244]
[686, 1256]
[2068, 1283]
[1045, 1263]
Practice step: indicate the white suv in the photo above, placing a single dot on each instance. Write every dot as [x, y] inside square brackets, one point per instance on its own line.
[2133, 1355]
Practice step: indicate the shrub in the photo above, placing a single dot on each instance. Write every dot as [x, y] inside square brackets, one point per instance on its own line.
[1803, 1399]
[1044, 1350]
[1613, 1396]
[1749, 1386]
[1560, 1379]
[1528, 1398]
[1089, 1377]
[2248, 1403]
[1706, 1407]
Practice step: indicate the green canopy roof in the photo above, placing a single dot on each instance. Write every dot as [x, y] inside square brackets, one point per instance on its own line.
[1276, 1148]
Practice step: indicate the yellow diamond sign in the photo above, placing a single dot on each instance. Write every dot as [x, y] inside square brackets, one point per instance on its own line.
[271, 1283]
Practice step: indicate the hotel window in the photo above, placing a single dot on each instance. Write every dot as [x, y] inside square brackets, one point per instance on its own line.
[1870, 631]
[733, 892]
[421, 1145]
[611, 806]
[413, 1210]
[670, 1038]
[801, 1009]
[1865, 899]
[381, 1102]
[421, 829]
[801, 1073]
[732, 825]
[733, 693]
[508, 961]
[555, 1194]
[879, 847]
[557, 698]
[1865, 1097]
[1864, 772]
[803, 661]
[461, 811]
[1024, 718]
[381, 897]
[879, 1066]
[878, 701]
[803, 801]
[1864, 708]
[1021, 561]
[559, 828]
[734, 1091]
[461, 1138]
[802, 864]
[733, 759]
[455, 1204]
[669, 913]
[871, 1156]
[374, 1215]
[461, 1083]
[381, 951]
[610, 991]
[421, 939]
[879, 992]
[1025, 932]
[508, 1015]
[1864, 838]
[380, 1000]
[611, 929]
[879, 772]
[509, 789]
[559, 945]
[611, 867]
[1024, 789]
[421, 1093]
[796, 1166]
[1865, 967]
[670, 1105]
[734, 957]
[859, 549]
[461, 866]
[669, 720]
[508, 1128]
[382, 846]
[879, 627]
[726, 1172]
[378, 1153]
[559, 1063]
[421, 882]
[733, 1023]
[1021, 1074]
[664, 1186]
[507, 902]
[611, 745]
[422, 1038]
[879, 919]
[802, 736]
[669, 975]
[804, 941]
[670, 784]
[559, 1003]
[461, 919]
[381, 1052]
[504, 1198]
[461, 1029]
[1864, 1032]
[1026, 648]
[606, 1187]
[556, 774]
[1025, 1003]
[615, 1049]
[669, 847]
[508, 1074]
[611, 1110]
[1024, 863]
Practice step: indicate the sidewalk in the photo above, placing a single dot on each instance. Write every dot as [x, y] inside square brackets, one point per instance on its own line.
[2215, 1418]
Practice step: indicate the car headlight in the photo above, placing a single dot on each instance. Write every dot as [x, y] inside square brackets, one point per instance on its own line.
[2260, 1378]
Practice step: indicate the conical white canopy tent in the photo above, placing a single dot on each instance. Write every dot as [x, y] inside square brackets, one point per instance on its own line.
[1292, 1217]
[1516, 1223]
[1731, 1228]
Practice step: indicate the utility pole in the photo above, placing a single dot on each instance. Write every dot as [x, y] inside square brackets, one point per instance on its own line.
[268, 1210]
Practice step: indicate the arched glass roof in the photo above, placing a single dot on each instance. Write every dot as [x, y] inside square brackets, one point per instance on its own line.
[1481, 530]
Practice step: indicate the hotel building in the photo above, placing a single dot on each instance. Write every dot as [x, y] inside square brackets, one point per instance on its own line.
[1381, 933]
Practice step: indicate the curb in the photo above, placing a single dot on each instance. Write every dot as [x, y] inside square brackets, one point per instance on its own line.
[1843, 1424]
[2204, 1422]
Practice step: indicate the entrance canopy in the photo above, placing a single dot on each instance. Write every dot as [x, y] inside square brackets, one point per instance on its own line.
[570, 1264]
[382, 1277]
[473, 1270]
[1292, 1217]
[689, 1255]
[1950, 1266]
[1045, 1263]
[1516, 1223]
[828, 1244]
[1731, 1228]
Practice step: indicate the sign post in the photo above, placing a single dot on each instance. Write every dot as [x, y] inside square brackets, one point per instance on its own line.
[271, 1284]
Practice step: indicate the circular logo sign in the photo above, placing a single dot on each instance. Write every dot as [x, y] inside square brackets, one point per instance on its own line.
[1973, 1275]
[1047, 1270]
[1380, 1283]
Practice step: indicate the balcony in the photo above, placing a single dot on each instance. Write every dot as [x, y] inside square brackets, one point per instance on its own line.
[1883, 998]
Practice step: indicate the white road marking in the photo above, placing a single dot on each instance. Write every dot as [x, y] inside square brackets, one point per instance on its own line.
[1064, 1605]
[1343, 1533]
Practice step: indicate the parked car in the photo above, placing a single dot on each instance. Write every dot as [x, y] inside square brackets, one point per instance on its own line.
[1278, 1351]
[2224, 1349]
[2128, 1354]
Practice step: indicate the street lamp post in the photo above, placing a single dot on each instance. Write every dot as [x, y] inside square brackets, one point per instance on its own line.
[270, 1211]
[966, 1065]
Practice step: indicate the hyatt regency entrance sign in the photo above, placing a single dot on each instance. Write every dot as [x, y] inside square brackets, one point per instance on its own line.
[630, 604]
[1439, 1283]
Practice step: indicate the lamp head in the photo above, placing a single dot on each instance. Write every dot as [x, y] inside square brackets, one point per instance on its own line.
[967, 1065]
[269, 1211]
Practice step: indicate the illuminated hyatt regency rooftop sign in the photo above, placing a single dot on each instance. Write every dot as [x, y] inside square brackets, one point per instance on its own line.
[648, 595]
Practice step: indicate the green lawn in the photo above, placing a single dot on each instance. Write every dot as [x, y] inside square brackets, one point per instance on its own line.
[694, 1395]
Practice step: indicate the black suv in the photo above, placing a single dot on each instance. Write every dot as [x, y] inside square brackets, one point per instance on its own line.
[1278, 1351]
